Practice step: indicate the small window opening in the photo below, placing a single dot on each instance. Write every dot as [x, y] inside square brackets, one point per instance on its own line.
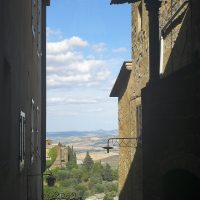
[139, 122]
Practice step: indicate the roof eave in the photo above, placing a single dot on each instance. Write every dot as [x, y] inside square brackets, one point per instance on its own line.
[123, 1]
[123, 75]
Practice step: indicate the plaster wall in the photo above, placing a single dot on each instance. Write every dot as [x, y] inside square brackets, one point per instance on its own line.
[20, 82]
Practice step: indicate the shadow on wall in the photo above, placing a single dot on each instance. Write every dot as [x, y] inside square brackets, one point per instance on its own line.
[180, 184]
[132, 188]
[5, 110]
[183, 49]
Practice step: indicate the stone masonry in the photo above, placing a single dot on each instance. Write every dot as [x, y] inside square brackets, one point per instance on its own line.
[169, 103]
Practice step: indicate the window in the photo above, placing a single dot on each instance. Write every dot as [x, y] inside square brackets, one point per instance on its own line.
[22, 131]
[139, 122]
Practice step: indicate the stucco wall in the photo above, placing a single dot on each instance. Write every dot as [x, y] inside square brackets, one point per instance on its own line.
[20, 82]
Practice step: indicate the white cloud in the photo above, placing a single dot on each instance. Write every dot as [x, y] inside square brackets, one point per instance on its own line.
[54, 32]
[62, 113]
[100, 47]
[102, 75]
[66, 44]
[120, 50]
[64, 80]
[96, 110]
[55, 101]
[67, 65]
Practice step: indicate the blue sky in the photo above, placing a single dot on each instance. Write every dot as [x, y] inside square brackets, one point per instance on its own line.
[87, 41]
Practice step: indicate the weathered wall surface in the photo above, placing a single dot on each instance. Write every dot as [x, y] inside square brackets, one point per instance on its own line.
[178, 37]
[20, 82]
[130, 159]
[125, 157]
[171, 109]
[140, 49]
[171, 136]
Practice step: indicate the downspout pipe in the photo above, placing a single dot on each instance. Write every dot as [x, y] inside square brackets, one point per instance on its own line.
[162, 36]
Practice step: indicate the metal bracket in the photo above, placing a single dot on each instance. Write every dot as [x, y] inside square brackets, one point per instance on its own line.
[121, 142]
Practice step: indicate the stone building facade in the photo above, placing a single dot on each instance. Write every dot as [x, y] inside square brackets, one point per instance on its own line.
[62, 154]
[62, 157]
[164, 80]
[171, 132]
[132, 78]
[22, 98]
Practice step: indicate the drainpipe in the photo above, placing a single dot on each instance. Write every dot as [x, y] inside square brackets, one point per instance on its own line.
[162, 37]
[161, 55]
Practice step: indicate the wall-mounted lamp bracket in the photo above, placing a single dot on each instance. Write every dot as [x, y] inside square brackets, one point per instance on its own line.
[121, 142]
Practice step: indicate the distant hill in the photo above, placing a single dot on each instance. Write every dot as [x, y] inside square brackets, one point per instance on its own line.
[80, 133]
[83, 141]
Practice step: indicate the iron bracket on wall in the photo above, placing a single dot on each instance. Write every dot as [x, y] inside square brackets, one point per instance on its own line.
[121, 142]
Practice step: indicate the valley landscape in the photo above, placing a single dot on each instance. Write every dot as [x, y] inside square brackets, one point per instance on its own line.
[91, 141]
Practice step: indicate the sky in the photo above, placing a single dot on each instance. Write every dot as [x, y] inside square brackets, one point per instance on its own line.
[87, 42]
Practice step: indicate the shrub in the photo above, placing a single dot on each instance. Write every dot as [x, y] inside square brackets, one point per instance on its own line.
[62, 175]
[109, 187]
[107, 173]
[110, 195]
[50, 192]
[68, 182]
[76, 173]
[98, 188]
[88, 162]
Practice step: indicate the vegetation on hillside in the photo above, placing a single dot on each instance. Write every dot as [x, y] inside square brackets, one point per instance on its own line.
[53, 153]
[86, 180]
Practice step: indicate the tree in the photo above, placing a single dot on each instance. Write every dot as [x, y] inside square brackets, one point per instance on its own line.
[72, 160]
[53, 153]
[97, 168]
[88, 162]
[107, 174]
[115, 174]
[62, 175]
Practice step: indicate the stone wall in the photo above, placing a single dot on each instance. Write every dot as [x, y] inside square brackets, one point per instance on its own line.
[130, 158]
[171, 129]
[62, 157]
[181, 47]
[177, 37]
[171, 109]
